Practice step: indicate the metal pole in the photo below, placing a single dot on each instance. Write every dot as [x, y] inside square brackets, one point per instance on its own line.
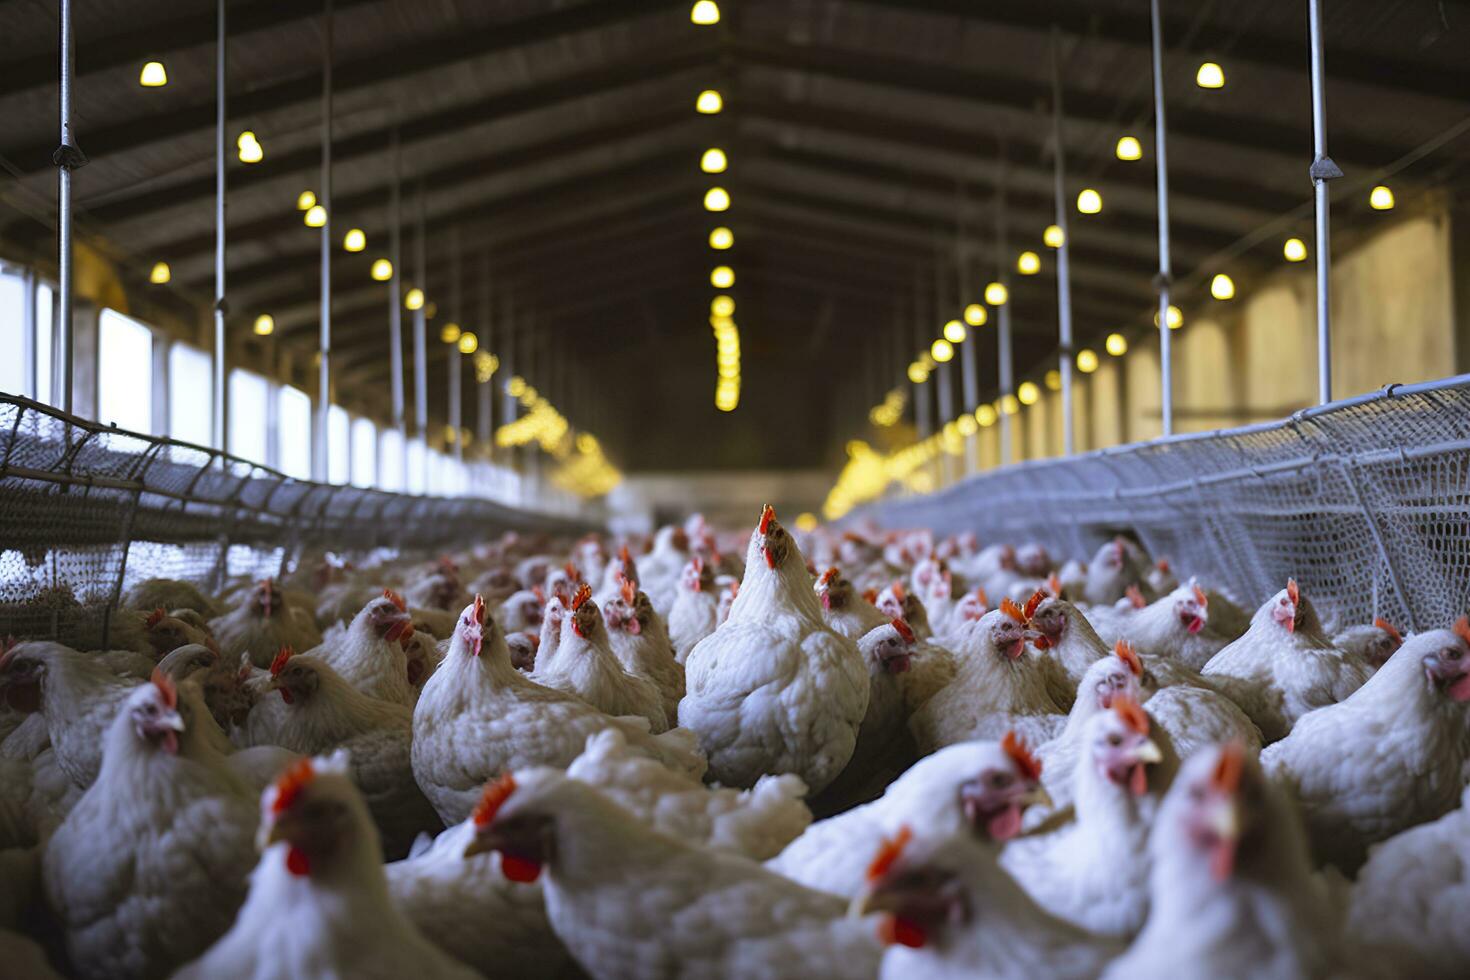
[1007, 380]
[324, 368]
[68, 157]
[1064, 268]
[486, 392]
[219, 407]
[508, 369]
[420, 347]
[1166, 275]
[969, 366]
[395, 310]
[1323, 169]
[456, 366]
[946, 416]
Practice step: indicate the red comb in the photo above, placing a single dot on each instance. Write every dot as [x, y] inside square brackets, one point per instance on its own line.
[497, 791]
[1015, 747]
[1012, 610]
[1228, 768]
[1129, 656]
[539, 593]
[580, 599]
[479, 609]
[698, 563]
[1292, 592]
[1389, 628]
[870, 596]
[165, 687]
[980, 594]
[767, 516]
[279, 663]
[155, 617]
[1029, 609]
[1054, 583]
[1462, 629]
[396, 599]
[1131, 714]
[1201, 598]
[571, 569]
[1135, 596]
[1163, 565]
[290, 784]
[624, 557]
[888, 852]
[904, 630]
[898, 591]
[628, 589]
[829, 576]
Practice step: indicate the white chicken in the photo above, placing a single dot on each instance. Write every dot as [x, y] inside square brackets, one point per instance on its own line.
[584, 664]
[370, 654]
[1177, 627]
[261, 622]
[638, 637]
[846, 612]
[694, 613]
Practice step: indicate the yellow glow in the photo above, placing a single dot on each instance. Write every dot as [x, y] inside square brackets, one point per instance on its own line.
[717, 199]
[382, 270]
[1053, 380]
[250, 148]
[1116, 344]
[316, 216]
[1009, 405]
[1053, 237]
[955, 332]
[705, 13]
[1222, 287]
[1028, 393]
[967, 425]
[918, 374]
[1128, 148]
[721, 238]
[305, 200]
[1028, 263]
[985, 415]
[1089, 201]
[1086, 360]
[806, 522]
[975, 315]
[722, 277]
[1295, 250]
[160, 274]
[486, 364]
[1176, 317]
[709, 102]
[516, 386]
[414, 298]
[153, 75]
[449, 333]
[1210, 75]
[722, 306]
[1381, 199]
[713, 161]
[265, 325]
[996, 294]
[431, 310]
[468, 342]
[941, 350]
[355, 240]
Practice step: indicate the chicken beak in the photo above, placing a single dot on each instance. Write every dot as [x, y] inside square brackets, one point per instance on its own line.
[483, 842]
[283, 828]
[1224, 820]
[1036, 796]
[170, 721]
[873, 898]
[1149, 752]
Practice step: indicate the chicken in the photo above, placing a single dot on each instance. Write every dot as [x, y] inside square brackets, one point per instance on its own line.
[982, 788]
[261, 623]
[479, 716]
[325, 713]
[1161, 578]
[523, 647]
[522, 611]
[658, 571]
[318, 902]
[1118, 564]
[1177, 627]
[370, 654]
[166, 593]
[166, 633]
[630, 902]
[1197, 716]
[896, 602]
[843, 610]
[951, 912]
[1391, 756]
[1375, 642]
[1230, 890]
[638, 638]
[692, 617]
[1092, 870]
[149, 868]
[1284, 666]
[996, 688]
[439, 589]
[773, 689]
[1066, 640]
[1402, 893]
[933, 583]
[583, 664]
[756, 823]
[228, 698]
[621, 568]
[256, 766]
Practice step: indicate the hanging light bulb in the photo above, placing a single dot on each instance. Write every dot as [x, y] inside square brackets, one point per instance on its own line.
[918, 374]
[1009, 405]
[1128, 148]
[1089, 201]
[153, 75]
[305, 200]
[1222, 287]
[431, 309]
[265, 325]
[316, 216]
[1380, 198]
[996, 294]
[1028, 393]
[355, 240]
[1053, 380]
[721, 238]
[955, 332]
[1053, 237]
[250, 148]
[722, 277]
[1210, 75]
[941, 350]
[382, 270]
[414, 299]
[722, 306]
[985, 416]
[1176, 317]
[975, 315]
[1295, 250]
[1086, 360]
[709, 102]
[705, 13]
[1116, 344]
[449, 333]
[713, 161]
[468, 342]
[717, 199]
[159, 274]
[1028, 263]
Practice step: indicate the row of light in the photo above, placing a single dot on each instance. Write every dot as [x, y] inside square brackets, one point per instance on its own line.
[727, 354]
[582, 467]
[888, 412]
[715, 160]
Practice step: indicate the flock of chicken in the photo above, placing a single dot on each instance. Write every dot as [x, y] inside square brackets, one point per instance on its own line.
[891, 756]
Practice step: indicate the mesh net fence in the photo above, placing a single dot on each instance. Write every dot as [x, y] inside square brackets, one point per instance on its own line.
[87, 511]
[1366, 502]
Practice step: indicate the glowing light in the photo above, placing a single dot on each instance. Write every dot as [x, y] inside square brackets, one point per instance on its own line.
[1116, 344]
[1053, 380]
[709, 102]
[1222, 287]
[1028, 393]
[1210, 75]
[806, 522]
[918, 374]
[355, 240]
[305, 200]
[967, 425]
[153, 75]
[449, 333]
[250, 149]
[722, 306]
[941, 350]
[159, 274]
[1028, 263]
[486, 364]
[316, 216]
[413, 299]
[431, 310]
[1089, 201]
[382, 270]
[705, 13]
[713, 161]
[1295, 250]
[996, 294]
[468, 343]
[265, 325]
[1129, 148]
[717, 199]
[1053, 237]
[721, 238]
[722, 277]
[1009, 405]
[1086, 360]
[985, 416]
[1176, 317]
[975, 315]
[1381, 198]
[955, 332]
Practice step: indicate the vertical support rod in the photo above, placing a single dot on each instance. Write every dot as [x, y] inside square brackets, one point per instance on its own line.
[1064, 265]
[969, 362]
[67, 158]
[219, 404]
[1166, 274]
[420, 348]
[324, 369]
[1007, 373]
[946, 415]
[486, 388]
[508, 365]
[1323, 170]
[456, 366]
[395, 309]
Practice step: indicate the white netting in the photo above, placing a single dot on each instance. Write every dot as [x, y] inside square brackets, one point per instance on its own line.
[87, 511]
[1365, 501]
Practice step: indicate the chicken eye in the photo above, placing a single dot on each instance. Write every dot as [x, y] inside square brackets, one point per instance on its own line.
[1001, 780]
[1115, 739]
[1452, 653]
